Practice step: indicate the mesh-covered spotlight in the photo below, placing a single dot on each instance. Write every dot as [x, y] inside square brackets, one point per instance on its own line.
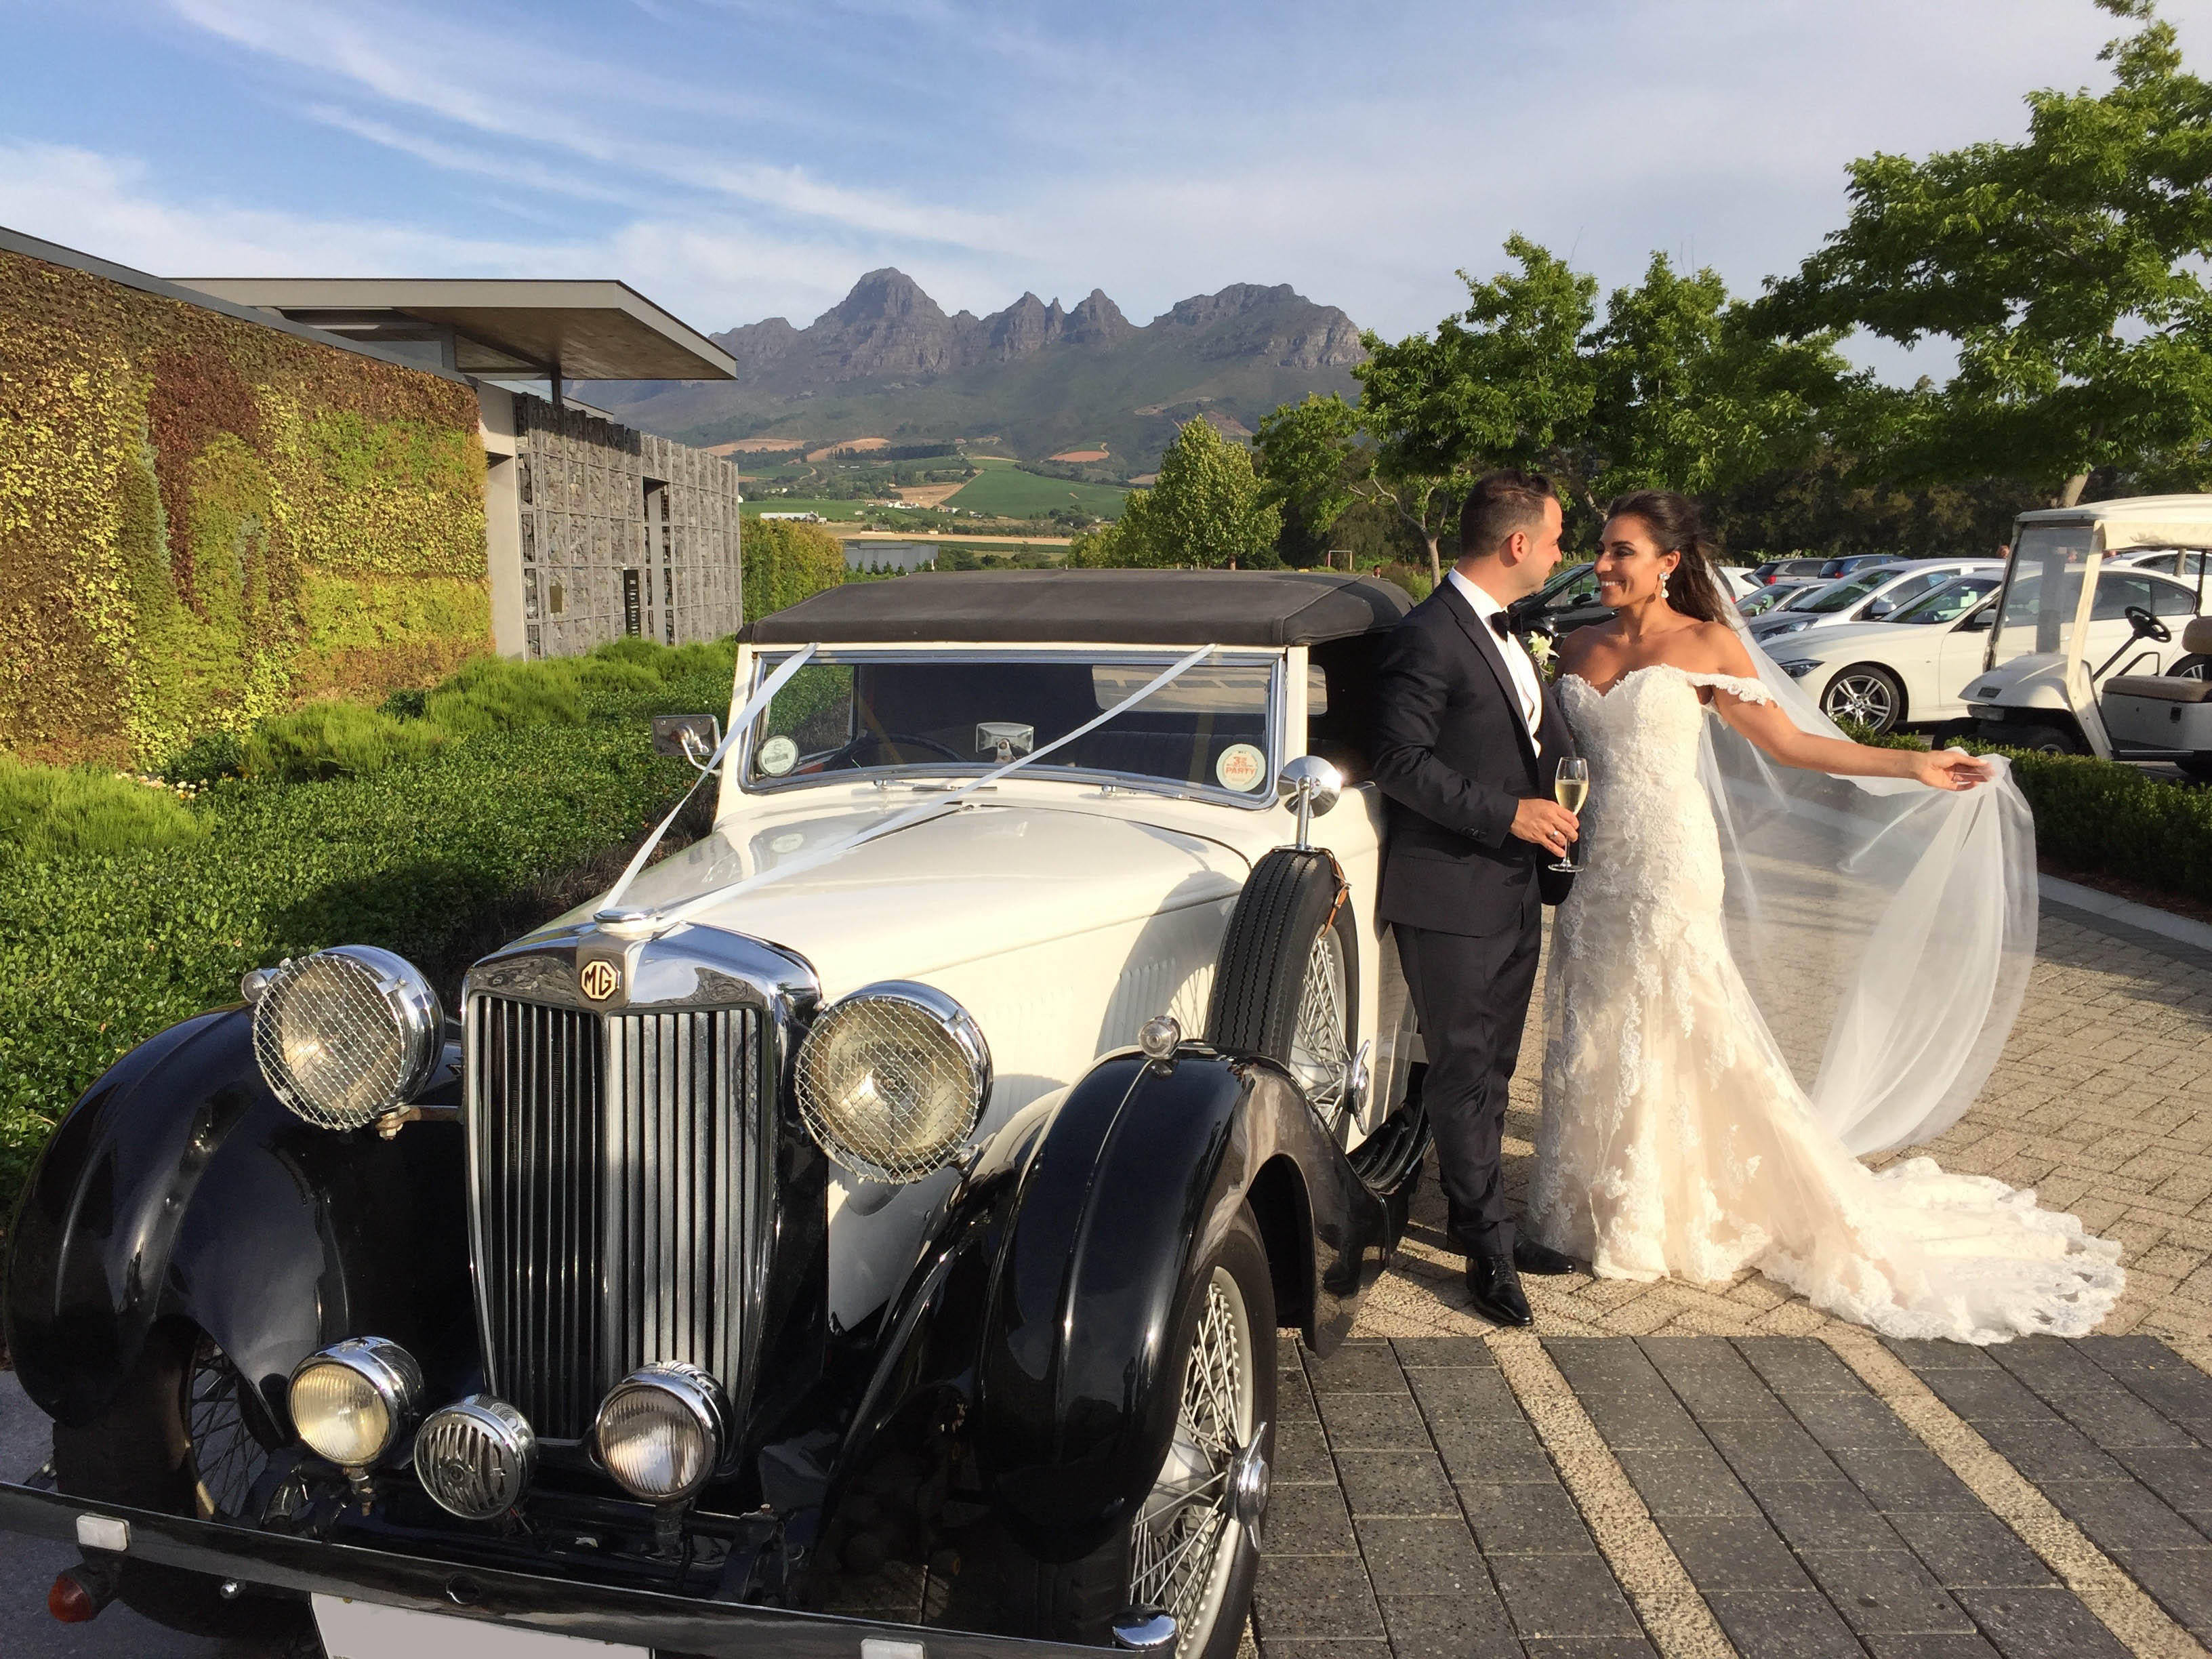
[475, 1457]
[891, 1081]
[347, 1035]
[661, 1431]
[352, 1400]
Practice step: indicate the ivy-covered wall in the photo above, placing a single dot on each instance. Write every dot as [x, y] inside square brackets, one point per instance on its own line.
[202, 521]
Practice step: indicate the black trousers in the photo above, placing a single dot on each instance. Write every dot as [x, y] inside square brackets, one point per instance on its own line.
[1471, 996]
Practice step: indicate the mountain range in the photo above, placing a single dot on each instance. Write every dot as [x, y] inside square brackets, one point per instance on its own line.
[888, 362]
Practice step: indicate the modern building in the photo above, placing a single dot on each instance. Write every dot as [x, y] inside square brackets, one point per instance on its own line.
[593, 530]
[220, 499]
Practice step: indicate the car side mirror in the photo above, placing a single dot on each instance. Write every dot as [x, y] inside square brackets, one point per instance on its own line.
[1979, 622]
[1310, 786]
[686, 736]
[1877, 609]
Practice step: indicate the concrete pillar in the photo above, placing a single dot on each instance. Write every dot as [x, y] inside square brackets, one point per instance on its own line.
[502, 520]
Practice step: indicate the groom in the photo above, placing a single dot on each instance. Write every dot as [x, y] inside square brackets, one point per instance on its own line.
[1466, 739]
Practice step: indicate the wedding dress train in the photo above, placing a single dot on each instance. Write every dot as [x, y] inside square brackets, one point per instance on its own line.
[1675, 1139]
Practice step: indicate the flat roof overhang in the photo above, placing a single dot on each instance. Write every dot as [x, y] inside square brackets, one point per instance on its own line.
[580, 330]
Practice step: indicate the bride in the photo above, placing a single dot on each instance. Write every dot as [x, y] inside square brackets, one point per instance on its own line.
[1872, 908]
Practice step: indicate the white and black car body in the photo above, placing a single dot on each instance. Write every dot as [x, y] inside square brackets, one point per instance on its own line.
[908, 1177]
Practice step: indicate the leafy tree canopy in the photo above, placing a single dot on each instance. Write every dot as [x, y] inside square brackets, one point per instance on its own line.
[2068, 269]
[1207, 511]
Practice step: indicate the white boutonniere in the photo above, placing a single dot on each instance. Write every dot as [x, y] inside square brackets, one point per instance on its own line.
[1540, 653]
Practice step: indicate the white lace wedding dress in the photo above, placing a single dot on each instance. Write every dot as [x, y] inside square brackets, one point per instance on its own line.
[1675, 1140]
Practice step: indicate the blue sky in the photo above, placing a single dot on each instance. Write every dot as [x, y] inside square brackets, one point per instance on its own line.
[738, 159]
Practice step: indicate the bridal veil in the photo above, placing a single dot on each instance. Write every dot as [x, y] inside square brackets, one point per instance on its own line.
[1884, 929]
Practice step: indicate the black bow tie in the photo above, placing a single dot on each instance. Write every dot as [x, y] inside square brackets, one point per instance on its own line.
[1500, 626]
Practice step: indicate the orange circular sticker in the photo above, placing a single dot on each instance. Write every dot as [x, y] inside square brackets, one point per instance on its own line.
[1240, 767]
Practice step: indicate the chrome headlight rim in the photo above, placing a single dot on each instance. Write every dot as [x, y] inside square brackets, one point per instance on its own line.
[696, 1397]
[496, 1427]
[403, 996]
[388, 1371]
[953, 1020]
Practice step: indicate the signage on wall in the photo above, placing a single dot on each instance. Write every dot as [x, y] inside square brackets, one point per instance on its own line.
[632, 623]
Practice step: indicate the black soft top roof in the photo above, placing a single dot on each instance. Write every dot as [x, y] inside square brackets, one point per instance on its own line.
[1117, 607]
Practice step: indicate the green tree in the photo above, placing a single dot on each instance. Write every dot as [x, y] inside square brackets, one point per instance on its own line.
[1207, 510]
[1691, 394]
[783, 561]
[2068, 269]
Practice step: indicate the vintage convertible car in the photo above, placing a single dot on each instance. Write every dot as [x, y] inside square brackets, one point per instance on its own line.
[910, 1176]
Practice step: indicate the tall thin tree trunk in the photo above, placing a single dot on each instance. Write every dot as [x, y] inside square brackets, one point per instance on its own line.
[2071, 495]
[1435, 567]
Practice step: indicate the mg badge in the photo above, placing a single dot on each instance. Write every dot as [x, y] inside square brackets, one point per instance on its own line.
[599, 979]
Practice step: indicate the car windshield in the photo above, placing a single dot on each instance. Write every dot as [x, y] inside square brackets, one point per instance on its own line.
[1839, 596]
[1948, 602]
[906, 714]
[1760, 601]
[1562, 584]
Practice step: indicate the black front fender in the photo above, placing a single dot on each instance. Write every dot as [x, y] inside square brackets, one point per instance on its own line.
[179, 1187]
[1141, 1172]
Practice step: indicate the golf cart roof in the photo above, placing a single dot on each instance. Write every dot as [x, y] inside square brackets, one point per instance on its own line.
[2135, 520]
[1117, 607]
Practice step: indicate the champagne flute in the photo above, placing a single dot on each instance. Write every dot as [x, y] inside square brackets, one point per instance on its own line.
[1570, 788]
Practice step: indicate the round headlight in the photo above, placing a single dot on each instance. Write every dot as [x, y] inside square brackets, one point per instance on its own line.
[347, 1035]
[661, 1431]
[351, 1401]
[891, 1081]
[475, 1457]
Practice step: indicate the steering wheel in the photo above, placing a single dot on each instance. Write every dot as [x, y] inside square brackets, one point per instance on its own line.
[2146, 626]
[844, 757]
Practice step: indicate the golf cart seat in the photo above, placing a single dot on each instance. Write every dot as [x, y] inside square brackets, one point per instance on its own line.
[2163, 688]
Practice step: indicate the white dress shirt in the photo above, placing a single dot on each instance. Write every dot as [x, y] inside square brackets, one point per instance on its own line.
[1518, 662]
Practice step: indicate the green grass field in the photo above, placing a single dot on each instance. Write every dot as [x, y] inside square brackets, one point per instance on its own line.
[1004, 489]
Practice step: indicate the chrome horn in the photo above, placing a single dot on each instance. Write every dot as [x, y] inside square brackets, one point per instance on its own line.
[1311, 786]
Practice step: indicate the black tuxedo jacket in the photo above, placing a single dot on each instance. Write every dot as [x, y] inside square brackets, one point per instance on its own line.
[1453, 758]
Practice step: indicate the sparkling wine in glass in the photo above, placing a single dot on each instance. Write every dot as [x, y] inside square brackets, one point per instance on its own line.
[1570, 788]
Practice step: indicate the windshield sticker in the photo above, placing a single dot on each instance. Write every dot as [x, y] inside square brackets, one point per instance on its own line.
[778, 756]
[1240, 767]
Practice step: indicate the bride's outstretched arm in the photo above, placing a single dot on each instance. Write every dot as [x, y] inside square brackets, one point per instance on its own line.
[1776, 734]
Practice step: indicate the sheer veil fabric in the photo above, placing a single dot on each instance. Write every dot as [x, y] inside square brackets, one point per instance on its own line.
[1764, 973]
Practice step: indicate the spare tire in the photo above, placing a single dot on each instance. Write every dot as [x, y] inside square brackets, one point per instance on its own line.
[1286, 982]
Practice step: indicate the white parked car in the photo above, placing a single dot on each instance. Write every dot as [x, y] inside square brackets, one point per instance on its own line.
[1872, 593]
[916, 1170]
[1906, 670]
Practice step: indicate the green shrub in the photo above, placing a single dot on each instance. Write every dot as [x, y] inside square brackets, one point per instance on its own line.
[493, 693]
[210, 755]
[100, 951]
[2093, 815]
[406, 704]
[54, 811]
[631, 647]
[333, 740]
[616, 674]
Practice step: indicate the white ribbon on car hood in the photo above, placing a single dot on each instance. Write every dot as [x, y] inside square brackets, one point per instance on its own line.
[935, 807]
[746, 716]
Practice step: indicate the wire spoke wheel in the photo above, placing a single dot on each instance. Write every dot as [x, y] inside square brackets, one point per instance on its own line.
[1183, 1543]
[229, 1431]
[1319, 1050]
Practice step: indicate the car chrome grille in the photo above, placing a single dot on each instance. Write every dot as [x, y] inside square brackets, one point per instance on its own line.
[623, 1168]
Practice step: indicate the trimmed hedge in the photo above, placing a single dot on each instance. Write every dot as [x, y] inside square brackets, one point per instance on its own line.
[438, 857]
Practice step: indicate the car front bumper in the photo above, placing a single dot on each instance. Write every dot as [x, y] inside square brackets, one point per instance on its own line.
[304, 1567]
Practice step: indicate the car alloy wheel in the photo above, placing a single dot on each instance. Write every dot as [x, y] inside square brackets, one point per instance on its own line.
[1184, 1542]
[1863, 694]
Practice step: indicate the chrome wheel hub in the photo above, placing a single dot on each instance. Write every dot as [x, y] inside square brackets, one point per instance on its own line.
[1213, 1486]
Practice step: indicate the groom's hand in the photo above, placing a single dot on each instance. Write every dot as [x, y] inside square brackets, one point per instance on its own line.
[1546, 823]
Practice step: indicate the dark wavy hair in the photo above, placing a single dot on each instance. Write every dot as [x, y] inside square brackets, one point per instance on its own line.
[1678, 527]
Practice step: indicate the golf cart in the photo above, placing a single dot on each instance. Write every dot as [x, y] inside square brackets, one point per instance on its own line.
[2100, 644]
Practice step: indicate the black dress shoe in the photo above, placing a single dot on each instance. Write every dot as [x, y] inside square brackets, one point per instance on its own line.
[1495, 1289]
[1530, 1257]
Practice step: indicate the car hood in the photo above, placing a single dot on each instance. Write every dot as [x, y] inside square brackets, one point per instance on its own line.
[983, 880]
[1820, 643]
